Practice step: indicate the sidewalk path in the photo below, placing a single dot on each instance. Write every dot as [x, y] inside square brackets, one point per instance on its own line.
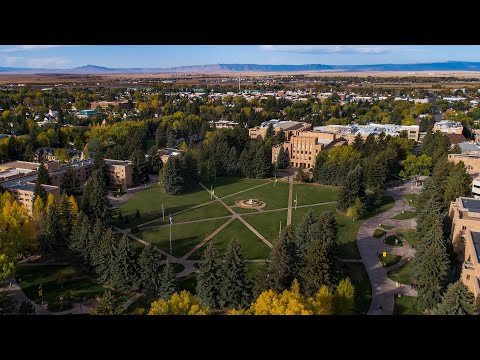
[383, 288]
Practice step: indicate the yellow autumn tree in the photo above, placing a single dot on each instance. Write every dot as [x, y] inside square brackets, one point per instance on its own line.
[183, 303]
[73, 205]
[291, 302]
[38, 209]
[50, 200]
[344, 297]
[17, 233]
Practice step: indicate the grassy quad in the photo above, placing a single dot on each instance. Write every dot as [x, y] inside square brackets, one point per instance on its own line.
[412, 199]
[378, 233]
[409, 235]
[389, 260]
[307, 194]
[184, 236]
[228, 185]
[268, 224]
[149, 203]
[274, 195]
[252, 246]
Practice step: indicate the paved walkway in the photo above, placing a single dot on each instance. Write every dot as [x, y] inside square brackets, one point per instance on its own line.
[290, 199]
[383, 288]
[131, 301]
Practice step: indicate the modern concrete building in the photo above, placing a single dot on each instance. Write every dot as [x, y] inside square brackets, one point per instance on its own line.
[348, 132]
[121, 172]
[465, 215]
[471, 161]
[476, 188]
[290, 127]
[448, 127]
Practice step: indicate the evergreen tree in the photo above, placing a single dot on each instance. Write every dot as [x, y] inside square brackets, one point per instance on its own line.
[458, 183]
[171, 140]
[262, 163]
[39, 191]
[358, 143]
[160, 138]
[70, 183]
[456, 149]
[95, 202]
[353, 188]
[101, 167]
[172, 180]
[107, 304]
[286, 262]
[232, 165]
[104, 257]
[457, 300]
[235, 285]
[209, 277]
[167, 282]
[79, 240]
[301, 231]
[93, 243]
[245, 163]
[125, 268]
[50, 237]
[66, 218]
[13, 149]
[270, 133]
[283, 160]
[150, 270]
[430, 272]
[320, 258]
[42, 175]
[140, 167]
[189, 171]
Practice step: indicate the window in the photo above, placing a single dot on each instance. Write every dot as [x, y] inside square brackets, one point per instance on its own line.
[464, 227]
[468, 277]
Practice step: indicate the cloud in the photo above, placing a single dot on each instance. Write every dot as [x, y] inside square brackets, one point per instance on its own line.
[327, 49]
[41, 62]
[45, 62]
[30, 47]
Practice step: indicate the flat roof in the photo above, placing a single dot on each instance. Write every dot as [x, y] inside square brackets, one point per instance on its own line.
[471, 204]
[476, 243]
[22, 185]
[324, 141]
[116, 162]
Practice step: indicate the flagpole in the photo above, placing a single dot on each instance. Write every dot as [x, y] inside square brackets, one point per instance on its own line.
[280, 228]
[171, 238]
[211, 191]
[296, 200]
[163, 213]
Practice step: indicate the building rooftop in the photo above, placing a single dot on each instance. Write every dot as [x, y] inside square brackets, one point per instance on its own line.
[456, 138]
[476, 243]
[471, 204]
[21, 185]
[284, 125]
[117, 162]
[467, 146]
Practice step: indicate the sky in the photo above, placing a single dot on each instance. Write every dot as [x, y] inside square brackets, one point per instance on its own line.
[148, 56]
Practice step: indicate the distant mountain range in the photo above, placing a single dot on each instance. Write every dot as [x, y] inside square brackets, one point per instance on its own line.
[222, 68]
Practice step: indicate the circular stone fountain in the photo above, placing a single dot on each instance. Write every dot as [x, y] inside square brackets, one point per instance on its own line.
[250, 204]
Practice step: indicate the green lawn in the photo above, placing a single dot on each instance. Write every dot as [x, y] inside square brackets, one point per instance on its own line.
[389, 260]
[149, 203]
[402, 274]
[228, 185]
[363, 290]
[378, 233]
[252, 246]
[405, 305]
[409, 235]
[386, 204]
[212, 210]
[57, 281]
[313, 194]
[412, 199]
[275, 197]
[268, 224]
[184, 236]
[387, 227]
[405, 215]
[390, 240]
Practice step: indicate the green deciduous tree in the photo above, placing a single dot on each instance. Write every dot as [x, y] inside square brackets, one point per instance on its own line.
[107, 304]
[344, 297]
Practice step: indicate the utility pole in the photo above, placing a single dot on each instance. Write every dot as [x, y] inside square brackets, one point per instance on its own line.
[163, 213]
[280, 228]
[239, 84]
